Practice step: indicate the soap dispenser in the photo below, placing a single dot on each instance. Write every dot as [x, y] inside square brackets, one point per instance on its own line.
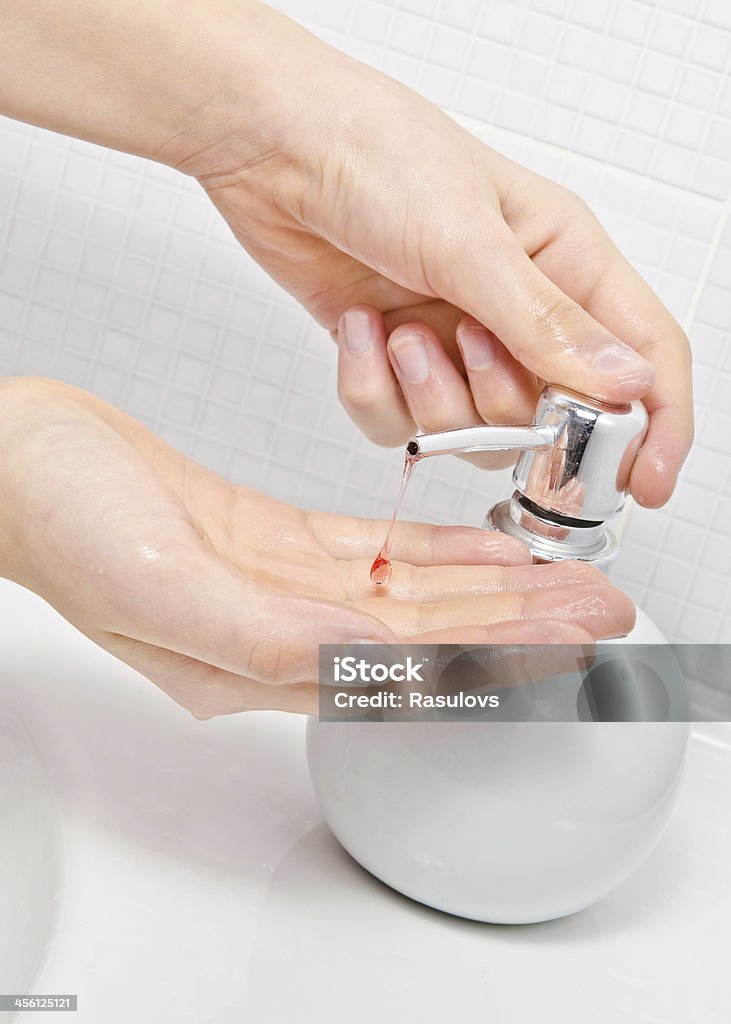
[523, 821]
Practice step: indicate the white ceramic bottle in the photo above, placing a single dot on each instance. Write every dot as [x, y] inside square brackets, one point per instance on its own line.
[520, 821]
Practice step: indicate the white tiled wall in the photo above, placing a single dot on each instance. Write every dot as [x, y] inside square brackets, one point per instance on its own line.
[118, 275]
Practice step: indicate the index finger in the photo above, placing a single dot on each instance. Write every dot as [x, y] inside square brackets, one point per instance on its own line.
[418, 543]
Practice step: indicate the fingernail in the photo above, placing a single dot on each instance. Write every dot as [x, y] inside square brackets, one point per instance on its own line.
[355, 328]
[477, 348]
[621, 361]
[411, 358]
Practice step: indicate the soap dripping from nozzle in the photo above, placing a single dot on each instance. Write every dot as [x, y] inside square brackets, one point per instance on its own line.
[381, 568]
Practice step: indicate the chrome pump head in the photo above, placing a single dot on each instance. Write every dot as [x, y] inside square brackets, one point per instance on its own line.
[570, 479]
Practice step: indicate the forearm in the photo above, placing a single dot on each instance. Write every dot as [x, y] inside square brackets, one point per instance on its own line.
[153, 77]
[19, 396]
[33, 412]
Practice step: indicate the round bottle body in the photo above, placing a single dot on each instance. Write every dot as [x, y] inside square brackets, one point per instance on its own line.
[507, 822]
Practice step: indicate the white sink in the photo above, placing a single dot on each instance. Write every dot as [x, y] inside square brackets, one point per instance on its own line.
[198, 883]
[31, 860]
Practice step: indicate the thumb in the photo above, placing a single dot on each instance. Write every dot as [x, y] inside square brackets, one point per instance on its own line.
[544, 329]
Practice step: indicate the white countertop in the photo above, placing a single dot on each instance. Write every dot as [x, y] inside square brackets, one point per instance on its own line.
[201, 885]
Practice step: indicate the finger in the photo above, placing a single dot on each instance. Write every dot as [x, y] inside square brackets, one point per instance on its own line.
[537, 631]
[437, 395]
[503, 391]
[601, 609]
[207, 609]
[367, 386]
[513, 654]
[204, 690]
[544, 329]
[443, 582]
[670, 408]
[661, 457]
[441, 316]
[419, 543]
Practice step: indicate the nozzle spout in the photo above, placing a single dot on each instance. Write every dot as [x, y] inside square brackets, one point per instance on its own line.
[482, 438]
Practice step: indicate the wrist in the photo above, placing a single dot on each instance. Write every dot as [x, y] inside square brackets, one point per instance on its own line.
[250, 101]
[292, 118]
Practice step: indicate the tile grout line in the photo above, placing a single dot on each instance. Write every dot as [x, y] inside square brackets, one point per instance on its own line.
[708, 261]
[474, 124]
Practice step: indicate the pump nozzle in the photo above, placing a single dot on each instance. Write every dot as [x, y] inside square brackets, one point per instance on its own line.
[482, 438]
